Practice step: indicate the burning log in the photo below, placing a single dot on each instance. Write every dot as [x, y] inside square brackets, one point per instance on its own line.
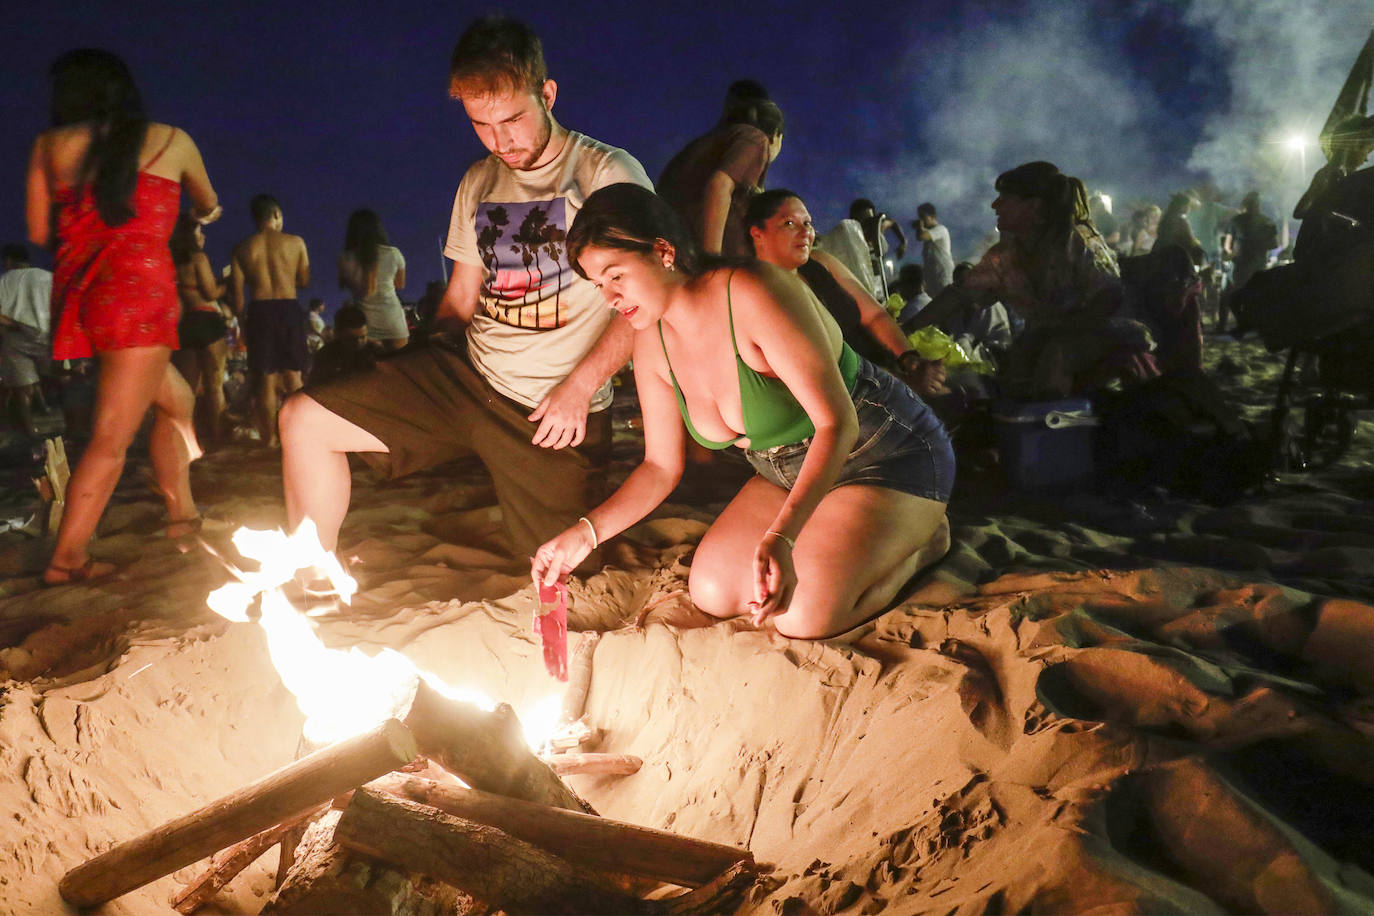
[575, 734]
[496, 868]
[584, 840]
[227, 864]
[485, 749]
[595, 764]
[327, 878]
[277, 797]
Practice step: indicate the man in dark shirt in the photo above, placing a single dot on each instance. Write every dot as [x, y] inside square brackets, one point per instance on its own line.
[1249, 238]
[348, 351]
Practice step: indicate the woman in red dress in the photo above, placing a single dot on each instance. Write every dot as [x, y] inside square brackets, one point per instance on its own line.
[104, 185]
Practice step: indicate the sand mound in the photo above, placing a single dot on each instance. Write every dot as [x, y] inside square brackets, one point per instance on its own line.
[1066, 715]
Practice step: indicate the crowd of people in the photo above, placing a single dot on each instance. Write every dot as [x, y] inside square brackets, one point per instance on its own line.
[744, 328]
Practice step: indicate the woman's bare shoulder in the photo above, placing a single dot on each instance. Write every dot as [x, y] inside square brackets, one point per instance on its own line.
[765, 285]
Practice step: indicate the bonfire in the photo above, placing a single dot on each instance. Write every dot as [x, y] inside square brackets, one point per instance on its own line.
[438, 787]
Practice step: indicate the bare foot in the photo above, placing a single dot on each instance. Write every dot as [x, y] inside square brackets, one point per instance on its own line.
[935, 548]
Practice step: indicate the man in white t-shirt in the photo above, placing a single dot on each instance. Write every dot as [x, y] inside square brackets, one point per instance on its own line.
[937, 263]
[25, 339]
[527, 385]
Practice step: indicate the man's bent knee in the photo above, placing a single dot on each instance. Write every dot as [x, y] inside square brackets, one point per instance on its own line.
[297, 417]
[304, 422]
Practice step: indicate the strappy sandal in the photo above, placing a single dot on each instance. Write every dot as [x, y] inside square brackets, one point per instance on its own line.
[89, 571]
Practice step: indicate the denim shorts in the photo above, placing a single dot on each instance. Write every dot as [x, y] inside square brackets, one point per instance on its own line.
[902, 445]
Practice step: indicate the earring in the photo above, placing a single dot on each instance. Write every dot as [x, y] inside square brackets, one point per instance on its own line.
[668, 265]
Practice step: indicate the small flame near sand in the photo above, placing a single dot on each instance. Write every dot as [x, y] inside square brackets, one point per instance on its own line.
[340, 692]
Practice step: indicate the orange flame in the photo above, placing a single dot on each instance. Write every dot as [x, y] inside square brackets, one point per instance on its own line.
[341, 693]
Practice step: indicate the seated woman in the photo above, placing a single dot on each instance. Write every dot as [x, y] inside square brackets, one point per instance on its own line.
[781, 232]
[854, 470]
[1054, 271]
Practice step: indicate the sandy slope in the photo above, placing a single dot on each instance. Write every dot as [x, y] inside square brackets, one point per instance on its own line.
[1066, 715]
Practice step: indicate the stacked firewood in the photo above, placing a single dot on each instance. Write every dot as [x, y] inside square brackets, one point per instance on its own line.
[378, 823]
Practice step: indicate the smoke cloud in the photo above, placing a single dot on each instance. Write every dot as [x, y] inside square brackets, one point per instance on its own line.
[1058, 81]
[1285, 64]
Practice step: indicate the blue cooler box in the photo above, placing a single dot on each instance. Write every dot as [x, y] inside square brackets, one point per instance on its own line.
[1045, 443]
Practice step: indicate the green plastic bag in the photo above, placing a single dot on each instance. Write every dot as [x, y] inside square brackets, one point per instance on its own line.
[894, 305]
[933, 343]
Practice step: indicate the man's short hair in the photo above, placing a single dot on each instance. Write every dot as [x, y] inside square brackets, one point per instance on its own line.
[262, 207]
[926, 209]
[495, 54]
[17, 252]
[861, 204]
[912, 273]
[349, 318]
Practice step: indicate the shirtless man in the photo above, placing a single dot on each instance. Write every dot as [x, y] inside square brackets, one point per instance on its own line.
[275, 265]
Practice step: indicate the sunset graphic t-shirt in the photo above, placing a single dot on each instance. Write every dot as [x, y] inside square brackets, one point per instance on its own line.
[522, 246]
[536, 318]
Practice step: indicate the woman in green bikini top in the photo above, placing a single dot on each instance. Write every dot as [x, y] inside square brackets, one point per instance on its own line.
[771, 414]
[740, 354]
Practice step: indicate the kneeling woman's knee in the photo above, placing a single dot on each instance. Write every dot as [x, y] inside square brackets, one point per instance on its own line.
[807, 619]
[710, 593]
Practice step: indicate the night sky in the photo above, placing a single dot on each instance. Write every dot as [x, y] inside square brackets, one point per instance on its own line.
[336, 105]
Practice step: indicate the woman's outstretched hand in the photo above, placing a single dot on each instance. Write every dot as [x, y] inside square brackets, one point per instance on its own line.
[558, 557]
[775, 578]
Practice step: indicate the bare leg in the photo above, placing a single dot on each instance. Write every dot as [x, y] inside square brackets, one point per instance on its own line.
[267, 408]
[173, 447]
[315, 443]
[857, 550]
[129, 381]
[210, 397]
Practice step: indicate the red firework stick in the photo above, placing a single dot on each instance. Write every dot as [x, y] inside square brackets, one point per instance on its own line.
[551, 623]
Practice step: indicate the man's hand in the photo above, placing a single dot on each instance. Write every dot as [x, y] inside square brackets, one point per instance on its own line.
[562, 417]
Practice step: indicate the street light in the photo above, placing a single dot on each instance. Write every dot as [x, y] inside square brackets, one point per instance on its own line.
[1298, 143]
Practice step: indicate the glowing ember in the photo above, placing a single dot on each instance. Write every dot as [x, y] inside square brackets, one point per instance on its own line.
[341, 693]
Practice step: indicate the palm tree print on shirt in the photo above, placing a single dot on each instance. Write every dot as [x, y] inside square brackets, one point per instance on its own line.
[526, 270]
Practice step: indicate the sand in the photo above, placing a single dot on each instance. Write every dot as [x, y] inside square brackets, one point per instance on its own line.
[1074, 712]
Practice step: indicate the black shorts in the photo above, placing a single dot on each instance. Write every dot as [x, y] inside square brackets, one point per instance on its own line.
[274, 330]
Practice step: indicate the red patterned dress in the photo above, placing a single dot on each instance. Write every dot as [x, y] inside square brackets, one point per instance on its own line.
[115, 288]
